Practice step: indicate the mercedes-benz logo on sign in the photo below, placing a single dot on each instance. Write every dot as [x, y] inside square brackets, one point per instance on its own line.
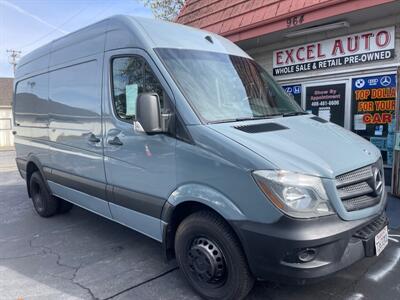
[378, 182]
[386, 80]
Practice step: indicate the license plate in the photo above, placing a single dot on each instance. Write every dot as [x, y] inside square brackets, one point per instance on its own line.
[381, 240]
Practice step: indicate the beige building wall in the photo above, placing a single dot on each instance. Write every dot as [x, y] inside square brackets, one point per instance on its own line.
[6, 136]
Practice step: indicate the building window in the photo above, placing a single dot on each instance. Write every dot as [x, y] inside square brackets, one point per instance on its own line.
[373, 111]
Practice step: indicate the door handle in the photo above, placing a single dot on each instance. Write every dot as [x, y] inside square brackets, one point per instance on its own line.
[115, 141]
[14, 132]
[93, 138]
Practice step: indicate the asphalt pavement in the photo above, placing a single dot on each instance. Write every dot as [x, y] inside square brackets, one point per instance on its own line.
[80, 255]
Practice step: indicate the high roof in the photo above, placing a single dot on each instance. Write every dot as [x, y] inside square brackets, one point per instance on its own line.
[118, 32]
[239, 20]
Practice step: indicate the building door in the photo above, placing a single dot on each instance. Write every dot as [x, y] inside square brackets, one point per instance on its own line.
[328, 100]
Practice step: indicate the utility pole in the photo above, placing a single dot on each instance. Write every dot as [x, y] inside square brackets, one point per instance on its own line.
[14, 55]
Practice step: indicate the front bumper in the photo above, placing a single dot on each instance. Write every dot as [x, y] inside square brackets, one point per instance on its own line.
[272, 249]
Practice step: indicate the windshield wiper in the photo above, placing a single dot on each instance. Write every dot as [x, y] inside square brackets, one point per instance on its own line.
[294, 113]
[240, 119]
[250, 118]
[260, 117]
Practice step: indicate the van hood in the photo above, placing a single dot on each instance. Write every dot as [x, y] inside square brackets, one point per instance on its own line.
[303, 144]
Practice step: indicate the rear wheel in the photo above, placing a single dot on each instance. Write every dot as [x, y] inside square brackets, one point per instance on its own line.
[211, 258]
[44, 203]
[64, 206]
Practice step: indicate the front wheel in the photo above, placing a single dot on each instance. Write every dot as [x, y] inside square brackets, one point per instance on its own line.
[211, 257]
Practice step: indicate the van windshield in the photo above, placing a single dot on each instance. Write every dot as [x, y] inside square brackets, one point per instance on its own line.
[224, 88]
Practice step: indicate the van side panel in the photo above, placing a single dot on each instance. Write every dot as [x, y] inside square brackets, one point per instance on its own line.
[91, 203]
[217, 173]
[31, 109]
[75, 130]
[33, 63]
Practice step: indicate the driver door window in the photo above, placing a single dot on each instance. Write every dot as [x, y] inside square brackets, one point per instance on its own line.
[132, 76]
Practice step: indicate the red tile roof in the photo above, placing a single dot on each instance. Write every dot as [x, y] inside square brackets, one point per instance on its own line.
[230, 17]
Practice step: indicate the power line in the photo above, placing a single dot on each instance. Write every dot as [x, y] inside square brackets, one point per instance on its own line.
[14, 55]
[52, 31]
[102, 11]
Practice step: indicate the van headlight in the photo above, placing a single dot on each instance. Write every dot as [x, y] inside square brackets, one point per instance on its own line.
[297, 195]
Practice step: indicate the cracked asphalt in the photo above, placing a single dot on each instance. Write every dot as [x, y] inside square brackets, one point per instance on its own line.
[83, 256]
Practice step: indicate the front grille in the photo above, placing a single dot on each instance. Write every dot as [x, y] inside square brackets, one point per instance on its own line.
[354, 176]
[356, 189]
[361, 202]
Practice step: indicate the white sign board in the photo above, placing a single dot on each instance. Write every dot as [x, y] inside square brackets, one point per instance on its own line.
[368, 46]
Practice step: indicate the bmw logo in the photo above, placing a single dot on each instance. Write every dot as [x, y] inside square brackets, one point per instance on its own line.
[360, 83]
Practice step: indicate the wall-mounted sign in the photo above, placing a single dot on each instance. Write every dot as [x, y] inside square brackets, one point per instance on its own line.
[374, 101]
[327, 102]
[369, 46]
[295, 91]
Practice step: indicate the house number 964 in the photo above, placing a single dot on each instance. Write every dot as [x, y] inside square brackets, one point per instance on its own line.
[294, 21]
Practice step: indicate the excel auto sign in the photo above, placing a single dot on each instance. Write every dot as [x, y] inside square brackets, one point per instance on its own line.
[369, 46]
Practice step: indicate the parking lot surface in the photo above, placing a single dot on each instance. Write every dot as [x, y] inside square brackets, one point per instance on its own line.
[80, 255]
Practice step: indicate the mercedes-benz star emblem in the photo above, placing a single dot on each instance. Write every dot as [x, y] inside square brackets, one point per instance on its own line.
[386, 80]
[378, 181]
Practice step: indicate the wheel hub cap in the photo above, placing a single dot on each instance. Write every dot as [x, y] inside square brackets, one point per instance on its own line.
[206, 261]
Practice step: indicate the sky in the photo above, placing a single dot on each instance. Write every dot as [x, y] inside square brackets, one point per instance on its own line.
[28, 24]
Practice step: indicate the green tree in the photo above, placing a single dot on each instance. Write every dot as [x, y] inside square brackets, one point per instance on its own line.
[165, 9]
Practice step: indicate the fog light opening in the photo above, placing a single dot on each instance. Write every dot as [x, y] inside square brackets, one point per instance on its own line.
[307, 255]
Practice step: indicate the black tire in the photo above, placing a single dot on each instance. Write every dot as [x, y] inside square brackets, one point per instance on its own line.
[64, 206]
[44, 203]
[211, 258]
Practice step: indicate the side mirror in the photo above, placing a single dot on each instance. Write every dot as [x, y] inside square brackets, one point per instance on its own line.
[148, 112]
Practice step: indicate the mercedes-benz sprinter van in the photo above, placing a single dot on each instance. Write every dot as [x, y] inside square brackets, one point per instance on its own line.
[177, 133]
